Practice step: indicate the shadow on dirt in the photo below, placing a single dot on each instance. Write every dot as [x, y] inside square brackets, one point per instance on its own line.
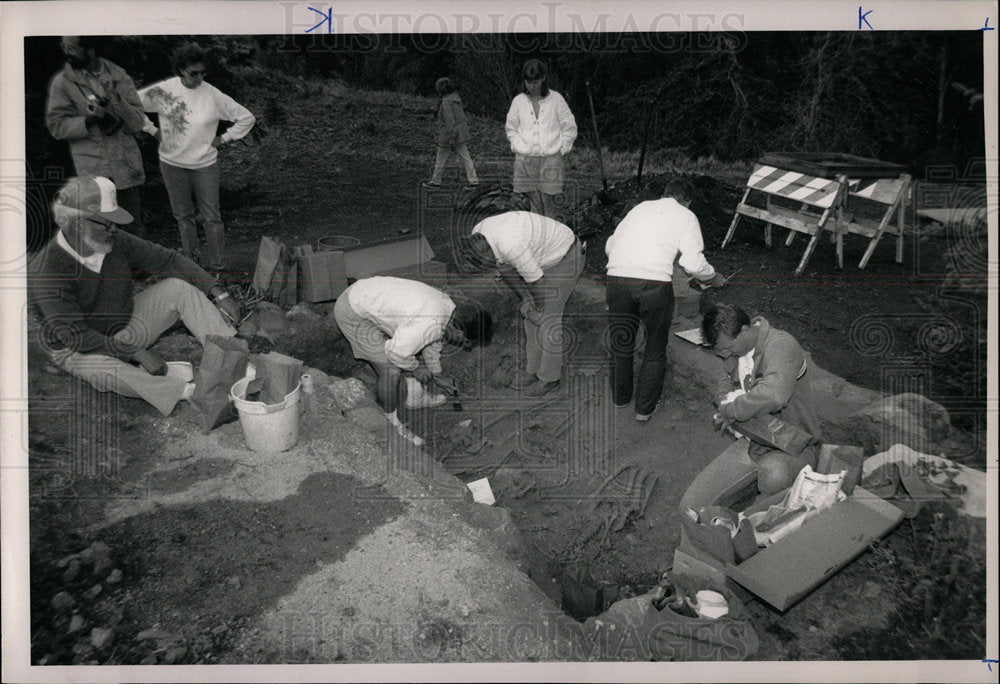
[249, 554]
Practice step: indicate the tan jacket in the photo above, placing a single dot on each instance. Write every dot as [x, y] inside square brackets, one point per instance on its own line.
[115, 156]
[452, 127]
[779, 385]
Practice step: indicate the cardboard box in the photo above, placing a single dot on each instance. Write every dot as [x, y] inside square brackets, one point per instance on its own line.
[378, 258]
[784, 572]
[430, 272]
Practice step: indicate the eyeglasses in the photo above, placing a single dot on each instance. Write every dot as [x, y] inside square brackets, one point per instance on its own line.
[106, 224]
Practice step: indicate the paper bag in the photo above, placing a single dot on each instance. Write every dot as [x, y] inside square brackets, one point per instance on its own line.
[268, 257]
[775, 433]
[276, 274]
[277, 375]
[223, 362]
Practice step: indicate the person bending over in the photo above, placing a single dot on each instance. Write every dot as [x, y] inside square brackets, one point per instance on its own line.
[388, 321]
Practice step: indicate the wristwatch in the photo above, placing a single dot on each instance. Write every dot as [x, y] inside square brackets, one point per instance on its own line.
[219, 298]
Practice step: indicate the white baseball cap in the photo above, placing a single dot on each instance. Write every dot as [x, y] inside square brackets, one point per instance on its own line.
[93, 196]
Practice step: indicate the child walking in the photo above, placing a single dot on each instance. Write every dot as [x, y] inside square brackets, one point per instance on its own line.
[452, 135]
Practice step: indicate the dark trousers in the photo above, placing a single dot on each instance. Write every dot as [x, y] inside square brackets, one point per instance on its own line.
[631, 301]
[130, 200]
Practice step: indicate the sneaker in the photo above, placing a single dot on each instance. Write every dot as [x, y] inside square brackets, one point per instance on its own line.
[540, 388]
[431, 185]
[642, 418]
[472, 186]
[405, 433]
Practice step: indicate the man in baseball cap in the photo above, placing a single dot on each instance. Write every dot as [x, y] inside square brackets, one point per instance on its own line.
[94, 197]
[93, 323]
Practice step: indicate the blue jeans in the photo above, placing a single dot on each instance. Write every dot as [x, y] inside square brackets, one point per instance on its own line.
[185, 187]
[631, 301]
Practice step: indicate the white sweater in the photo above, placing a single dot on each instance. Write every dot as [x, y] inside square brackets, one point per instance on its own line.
[646, 242]
[412, 314]
[527, 241]
[189, 118]
[551, 132]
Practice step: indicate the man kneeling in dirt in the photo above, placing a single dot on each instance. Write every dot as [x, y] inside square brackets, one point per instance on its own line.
[388, 321]
[765, 394]
[93, 323]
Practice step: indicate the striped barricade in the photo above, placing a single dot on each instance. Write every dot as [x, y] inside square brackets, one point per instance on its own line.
[820, 200]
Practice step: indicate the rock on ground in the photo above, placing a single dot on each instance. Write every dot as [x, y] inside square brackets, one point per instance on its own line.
[909, 418]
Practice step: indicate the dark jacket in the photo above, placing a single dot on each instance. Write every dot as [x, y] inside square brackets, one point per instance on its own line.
[452, 127]
[80, 310]
[780, 384]
[115, 156]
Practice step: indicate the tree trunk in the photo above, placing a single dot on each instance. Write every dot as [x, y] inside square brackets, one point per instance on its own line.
[942, 88]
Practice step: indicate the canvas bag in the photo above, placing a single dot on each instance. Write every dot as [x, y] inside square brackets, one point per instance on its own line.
[676, 637]
[634, 629]
[223, 362]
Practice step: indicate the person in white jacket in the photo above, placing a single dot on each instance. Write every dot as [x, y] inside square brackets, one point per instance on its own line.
[641, 255]
[541, 129]
[190, 110]
[389, 321]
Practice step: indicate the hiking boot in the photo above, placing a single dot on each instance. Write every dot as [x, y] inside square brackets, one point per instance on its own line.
[644, 417]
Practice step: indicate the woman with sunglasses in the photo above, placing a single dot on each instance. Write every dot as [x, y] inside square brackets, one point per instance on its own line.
[190, 110]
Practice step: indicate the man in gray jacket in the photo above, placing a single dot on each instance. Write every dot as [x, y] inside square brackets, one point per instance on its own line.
[764, 393]
[93, 105]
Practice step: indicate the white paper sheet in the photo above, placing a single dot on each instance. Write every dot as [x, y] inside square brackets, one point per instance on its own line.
[481, 492]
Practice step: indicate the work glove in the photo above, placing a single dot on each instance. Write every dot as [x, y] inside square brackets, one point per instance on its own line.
[446, 383]
[718, 280]
[150, 362]
[529, 312]
[720, 422]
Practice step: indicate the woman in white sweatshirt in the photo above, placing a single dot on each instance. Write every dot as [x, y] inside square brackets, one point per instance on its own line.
[541, 129]
[190, 110]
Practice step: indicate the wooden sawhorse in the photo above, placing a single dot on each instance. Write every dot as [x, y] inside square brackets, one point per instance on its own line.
[823, 204]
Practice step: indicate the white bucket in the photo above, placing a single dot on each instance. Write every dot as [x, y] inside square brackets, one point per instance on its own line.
[272, 427]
